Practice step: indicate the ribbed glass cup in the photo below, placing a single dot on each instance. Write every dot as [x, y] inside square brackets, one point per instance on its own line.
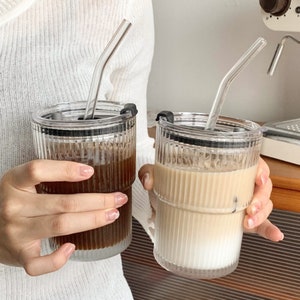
[108, 144]
[204, 180]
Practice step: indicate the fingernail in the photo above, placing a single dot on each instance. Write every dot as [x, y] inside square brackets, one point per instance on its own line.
[69, 250]
[263, 178]
[250, 223]
[112, 215]
[120, 199]
[253, 210]
[86, 170]
[254, 207]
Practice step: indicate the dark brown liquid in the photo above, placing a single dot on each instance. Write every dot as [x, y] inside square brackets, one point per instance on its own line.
[113, 177]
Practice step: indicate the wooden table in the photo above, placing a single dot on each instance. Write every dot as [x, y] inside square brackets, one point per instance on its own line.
[286, 184]
[266, 270]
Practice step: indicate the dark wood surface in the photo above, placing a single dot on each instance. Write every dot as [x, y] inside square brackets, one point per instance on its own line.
[266, 270]
[286, 184]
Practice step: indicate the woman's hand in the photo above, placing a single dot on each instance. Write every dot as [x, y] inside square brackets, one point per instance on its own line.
[256, 219]
[27, 217]
[257, 213]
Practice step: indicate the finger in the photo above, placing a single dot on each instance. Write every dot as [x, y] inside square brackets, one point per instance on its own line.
[64, 224]
[49, 204]
[263, 189]
[39, 265]
[252, 221]
[36, 171]
[263, 172]
[261, 198]
[268, 231]
[146, 176]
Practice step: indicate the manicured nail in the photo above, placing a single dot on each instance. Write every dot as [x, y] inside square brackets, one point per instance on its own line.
[112, 215]
[264, 178]
[86, 170]
[69, 250]
[253, 210]
[120, 199]
[255, 207]
[250, 223]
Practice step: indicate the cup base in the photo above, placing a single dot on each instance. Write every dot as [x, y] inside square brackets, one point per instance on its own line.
[194, 273]
[103, 253]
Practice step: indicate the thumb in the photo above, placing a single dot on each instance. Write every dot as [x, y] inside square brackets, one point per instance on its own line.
[146, 176]
[35, 264]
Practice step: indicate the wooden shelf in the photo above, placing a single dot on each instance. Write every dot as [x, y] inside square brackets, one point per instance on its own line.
[286, 184]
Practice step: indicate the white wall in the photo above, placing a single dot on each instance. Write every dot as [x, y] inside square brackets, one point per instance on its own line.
[198, 41]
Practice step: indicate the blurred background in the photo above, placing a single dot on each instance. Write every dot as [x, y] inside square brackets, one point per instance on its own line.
[197, 42]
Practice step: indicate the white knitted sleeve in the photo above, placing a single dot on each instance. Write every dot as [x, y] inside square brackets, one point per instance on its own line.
[11, 9]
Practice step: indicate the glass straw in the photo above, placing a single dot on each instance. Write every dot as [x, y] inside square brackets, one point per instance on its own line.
[258, 45]
[100, 66]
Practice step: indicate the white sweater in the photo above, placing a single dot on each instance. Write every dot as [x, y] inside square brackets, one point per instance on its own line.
[48, 51]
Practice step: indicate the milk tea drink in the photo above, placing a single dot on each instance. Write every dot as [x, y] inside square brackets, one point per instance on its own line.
[107, 143]
[203, 182]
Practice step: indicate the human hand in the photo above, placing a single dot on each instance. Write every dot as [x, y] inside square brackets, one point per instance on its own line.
[257, 213]
[27, 217]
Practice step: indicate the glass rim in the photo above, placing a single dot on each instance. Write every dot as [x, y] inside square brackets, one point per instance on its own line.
[183, 118]
[188, 128]
[108, 113]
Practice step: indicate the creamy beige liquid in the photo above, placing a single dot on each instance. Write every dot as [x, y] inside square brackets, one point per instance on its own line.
[199, 216]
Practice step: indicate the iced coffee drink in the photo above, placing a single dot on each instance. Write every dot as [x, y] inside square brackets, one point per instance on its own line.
[107, 143]
[204, 180]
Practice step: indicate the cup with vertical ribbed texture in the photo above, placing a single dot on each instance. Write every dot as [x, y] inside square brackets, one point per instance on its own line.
[108, 144]
[203, 180]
